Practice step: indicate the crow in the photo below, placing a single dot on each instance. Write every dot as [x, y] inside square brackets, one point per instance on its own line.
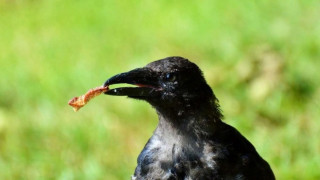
[190, 142]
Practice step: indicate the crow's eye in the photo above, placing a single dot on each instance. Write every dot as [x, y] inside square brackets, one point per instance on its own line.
[170, 77]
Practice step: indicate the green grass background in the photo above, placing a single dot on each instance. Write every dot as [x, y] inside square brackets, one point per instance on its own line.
[261, 58]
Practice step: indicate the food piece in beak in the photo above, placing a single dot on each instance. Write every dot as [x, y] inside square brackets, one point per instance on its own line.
[79, 102]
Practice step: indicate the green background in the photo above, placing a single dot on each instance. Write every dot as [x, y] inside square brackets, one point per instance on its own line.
[261, 58]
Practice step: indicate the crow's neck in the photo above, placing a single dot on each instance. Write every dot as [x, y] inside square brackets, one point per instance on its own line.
[198, 118]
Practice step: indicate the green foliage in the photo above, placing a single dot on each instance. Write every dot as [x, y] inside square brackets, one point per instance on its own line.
[260, 57]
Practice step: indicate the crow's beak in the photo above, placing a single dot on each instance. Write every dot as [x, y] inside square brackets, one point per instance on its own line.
[144, 78]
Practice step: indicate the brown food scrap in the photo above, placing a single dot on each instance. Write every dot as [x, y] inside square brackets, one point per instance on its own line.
[79, 102]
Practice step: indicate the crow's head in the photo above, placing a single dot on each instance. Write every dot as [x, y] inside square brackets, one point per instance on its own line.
[169, 82]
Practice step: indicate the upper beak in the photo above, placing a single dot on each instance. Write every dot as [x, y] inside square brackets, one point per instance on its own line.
[145, 78]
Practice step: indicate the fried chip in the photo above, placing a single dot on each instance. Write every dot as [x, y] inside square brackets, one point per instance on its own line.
[79, 102]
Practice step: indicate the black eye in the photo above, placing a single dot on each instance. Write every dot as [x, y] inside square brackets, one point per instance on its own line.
[170, 77]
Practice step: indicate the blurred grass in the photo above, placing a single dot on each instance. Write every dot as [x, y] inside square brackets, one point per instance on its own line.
[260, 57]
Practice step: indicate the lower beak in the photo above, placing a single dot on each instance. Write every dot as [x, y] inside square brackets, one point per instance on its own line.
[144, 78]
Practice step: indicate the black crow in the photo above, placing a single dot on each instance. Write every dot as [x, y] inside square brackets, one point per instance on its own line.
[190, 141]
